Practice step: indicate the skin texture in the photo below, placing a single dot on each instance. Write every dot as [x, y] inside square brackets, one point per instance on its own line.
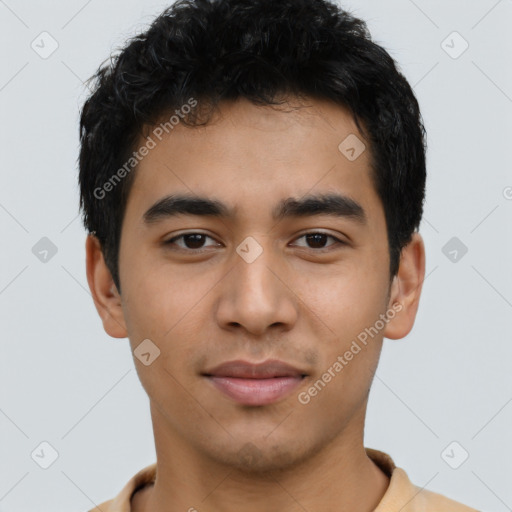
[293, 303]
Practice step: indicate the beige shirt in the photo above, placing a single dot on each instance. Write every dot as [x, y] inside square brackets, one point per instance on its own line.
[401, 494]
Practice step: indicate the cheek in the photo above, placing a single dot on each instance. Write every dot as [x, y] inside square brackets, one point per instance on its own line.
[173, 310]
[345, 301]
[158, 297]
[351, 308]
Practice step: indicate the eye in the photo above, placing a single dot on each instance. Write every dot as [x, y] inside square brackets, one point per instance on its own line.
[318, 239]
[194, 242]
[191, 241]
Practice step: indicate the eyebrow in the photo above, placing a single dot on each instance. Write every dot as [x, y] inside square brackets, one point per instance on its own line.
[333, 204]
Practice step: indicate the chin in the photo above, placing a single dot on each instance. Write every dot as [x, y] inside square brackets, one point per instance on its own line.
[259, 457]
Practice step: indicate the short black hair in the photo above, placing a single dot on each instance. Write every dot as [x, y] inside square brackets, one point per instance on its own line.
[263, 51]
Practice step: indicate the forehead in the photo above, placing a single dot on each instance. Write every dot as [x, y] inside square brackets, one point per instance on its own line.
[254, 156]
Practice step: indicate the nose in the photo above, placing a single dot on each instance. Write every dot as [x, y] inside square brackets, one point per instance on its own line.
[257, 296]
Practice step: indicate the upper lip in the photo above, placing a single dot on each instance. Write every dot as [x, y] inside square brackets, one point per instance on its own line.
[246, 370]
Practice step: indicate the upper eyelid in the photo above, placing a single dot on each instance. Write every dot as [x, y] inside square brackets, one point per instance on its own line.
[188, 233]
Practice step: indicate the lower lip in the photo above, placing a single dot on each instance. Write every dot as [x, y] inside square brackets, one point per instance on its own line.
[256, 391]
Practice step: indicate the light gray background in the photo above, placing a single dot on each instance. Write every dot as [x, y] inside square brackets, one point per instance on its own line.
[64, 381]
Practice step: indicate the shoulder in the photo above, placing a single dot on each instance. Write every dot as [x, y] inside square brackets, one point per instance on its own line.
[432, 501]
[404, 496]
[136, 487]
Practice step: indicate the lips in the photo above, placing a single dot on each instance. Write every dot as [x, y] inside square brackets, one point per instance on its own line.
[255, 383]
[245, 370]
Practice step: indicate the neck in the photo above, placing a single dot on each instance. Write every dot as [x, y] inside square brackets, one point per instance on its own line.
[340, 476]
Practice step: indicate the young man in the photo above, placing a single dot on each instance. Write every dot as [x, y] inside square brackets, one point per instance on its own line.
[252, 179]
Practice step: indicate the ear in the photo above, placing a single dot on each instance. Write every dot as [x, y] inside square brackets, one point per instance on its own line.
[104, 292]
[406, 289]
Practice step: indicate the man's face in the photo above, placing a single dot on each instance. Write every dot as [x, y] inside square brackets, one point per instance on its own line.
[253, 287]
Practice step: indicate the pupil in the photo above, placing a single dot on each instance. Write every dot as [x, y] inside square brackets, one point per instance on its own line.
[196, 241]
[316, 238]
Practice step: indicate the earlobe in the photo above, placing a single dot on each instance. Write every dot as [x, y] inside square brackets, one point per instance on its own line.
[103, 289]
[406, 289]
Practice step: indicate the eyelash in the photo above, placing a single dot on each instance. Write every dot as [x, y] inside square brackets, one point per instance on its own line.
[199, 251]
